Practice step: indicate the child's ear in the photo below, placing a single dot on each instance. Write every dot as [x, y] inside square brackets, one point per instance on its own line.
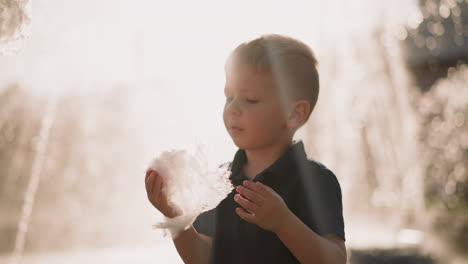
[299, 111]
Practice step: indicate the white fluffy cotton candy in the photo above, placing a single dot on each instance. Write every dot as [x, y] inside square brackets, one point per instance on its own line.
[15, 22]
[189, 186]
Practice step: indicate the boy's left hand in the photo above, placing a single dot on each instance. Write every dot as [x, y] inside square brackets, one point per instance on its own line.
[261, 205]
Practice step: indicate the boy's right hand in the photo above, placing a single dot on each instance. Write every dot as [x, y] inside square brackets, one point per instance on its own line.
[156, 195]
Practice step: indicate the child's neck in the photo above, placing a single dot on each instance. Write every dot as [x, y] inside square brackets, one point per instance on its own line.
[261, 158]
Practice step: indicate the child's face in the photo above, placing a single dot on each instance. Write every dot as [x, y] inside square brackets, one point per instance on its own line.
[253, 114]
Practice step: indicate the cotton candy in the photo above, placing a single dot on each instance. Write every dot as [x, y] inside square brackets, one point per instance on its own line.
[190, 186]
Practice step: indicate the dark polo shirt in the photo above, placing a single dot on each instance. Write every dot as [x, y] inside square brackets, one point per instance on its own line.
[309, 189]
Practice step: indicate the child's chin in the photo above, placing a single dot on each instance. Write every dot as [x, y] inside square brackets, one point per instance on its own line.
[238, 143]
[241, 144]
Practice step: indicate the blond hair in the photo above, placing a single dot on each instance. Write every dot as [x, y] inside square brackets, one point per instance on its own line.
[291, 63]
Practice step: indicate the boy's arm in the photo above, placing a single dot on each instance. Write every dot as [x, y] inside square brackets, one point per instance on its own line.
[307, 246]
[264, 207]
[193, 247]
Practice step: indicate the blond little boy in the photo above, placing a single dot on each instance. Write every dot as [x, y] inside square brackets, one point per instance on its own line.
[285, 208]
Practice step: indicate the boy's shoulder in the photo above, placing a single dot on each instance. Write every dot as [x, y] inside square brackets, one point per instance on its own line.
[318, 200]
[313, 172]
[314, 167]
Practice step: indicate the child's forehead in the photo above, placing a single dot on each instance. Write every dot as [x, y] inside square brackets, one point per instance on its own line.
[248, 78]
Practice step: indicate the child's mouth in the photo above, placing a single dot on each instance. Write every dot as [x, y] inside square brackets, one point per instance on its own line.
[234, 129]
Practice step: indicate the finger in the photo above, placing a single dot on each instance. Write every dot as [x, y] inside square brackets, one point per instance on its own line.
[244, 215]
[246, 204]
[149, 181]
[148, 173]
[257, 187]
[157, 186]
[268, 188]
[149, 186]
[251, 195]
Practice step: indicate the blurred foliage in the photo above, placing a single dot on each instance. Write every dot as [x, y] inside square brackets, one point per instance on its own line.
[436, 39]
[437, 53]
[444, 133]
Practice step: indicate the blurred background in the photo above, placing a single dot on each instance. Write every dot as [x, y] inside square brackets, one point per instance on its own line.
[90, 91]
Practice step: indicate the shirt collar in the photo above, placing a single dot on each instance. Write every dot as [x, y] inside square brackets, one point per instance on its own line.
[288, 163]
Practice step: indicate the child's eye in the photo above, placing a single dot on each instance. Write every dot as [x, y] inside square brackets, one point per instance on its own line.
[251, 101]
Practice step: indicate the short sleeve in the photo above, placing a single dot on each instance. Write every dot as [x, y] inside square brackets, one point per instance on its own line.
[205, 223]
[319, 202]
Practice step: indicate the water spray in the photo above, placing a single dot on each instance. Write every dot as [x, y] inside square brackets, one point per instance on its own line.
[15, 24]
[34, 180]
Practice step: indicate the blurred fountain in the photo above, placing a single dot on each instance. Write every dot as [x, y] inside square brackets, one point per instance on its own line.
[33, 183]
[15, 24]
[365, 126]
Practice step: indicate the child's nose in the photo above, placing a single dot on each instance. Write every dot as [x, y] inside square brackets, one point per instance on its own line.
[233, 107]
